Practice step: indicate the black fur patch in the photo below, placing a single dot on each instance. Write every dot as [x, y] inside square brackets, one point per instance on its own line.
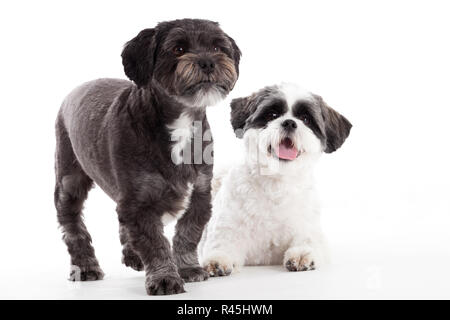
[243, 108]
[307, 109]
[337, 127]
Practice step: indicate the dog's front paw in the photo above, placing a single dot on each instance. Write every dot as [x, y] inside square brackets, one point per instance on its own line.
[193, 274]
[132, 260]
[216, 269]
[297, 259]
[164, 284]
[86, 273]
[218, 265]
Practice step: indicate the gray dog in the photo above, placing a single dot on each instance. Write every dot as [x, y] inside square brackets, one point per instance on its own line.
[128, 138]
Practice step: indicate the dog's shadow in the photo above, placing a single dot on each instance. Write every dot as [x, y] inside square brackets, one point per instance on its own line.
[135, 285]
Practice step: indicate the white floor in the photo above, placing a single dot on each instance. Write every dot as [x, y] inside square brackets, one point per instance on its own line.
[404, 260]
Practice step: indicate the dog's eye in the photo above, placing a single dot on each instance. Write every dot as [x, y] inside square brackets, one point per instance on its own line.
[271, 115]
[216, 49]
[305, 118]
[179, 50]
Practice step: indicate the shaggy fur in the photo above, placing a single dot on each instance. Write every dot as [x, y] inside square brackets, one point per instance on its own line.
[266, 210]
[125, 136]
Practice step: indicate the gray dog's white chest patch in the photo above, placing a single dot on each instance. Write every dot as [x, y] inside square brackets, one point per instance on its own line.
[170, 217]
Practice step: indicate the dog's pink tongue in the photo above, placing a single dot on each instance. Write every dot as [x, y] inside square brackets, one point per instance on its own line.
[286, 151]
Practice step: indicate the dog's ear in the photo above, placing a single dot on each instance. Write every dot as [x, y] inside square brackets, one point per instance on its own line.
[337, 127]
[236, 53]
[240, 111]
[138, 57]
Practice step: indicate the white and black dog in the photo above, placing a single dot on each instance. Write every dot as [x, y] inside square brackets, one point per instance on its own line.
[128, 139]
[265, 211]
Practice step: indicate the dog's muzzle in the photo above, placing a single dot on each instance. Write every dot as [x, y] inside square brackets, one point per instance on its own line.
[195, 72]
[286, 150]
[289, 125]
[207, 65]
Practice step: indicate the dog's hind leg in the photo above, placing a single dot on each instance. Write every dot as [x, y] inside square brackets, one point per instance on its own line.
[71, 190]
[129, 257]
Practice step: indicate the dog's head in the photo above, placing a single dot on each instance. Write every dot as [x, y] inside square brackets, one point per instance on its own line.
[194, 60]
[285, 124]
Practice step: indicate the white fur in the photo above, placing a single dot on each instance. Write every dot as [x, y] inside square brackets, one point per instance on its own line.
[293, 93]
[266, 210]
[170, 217]
[182, 129]
[207, 97]
[202, 98]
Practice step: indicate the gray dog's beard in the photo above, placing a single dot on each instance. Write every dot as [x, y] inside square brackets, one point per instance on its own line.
[203, 97]
[195, 88]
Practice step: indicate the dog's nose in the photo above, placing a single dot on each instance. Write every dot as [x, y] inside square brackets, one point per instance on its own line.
[289, 124]
[207, 65]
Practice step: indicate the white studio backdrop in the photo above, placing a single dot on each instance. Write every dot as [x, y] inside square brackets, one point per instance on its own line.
[383, 64]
